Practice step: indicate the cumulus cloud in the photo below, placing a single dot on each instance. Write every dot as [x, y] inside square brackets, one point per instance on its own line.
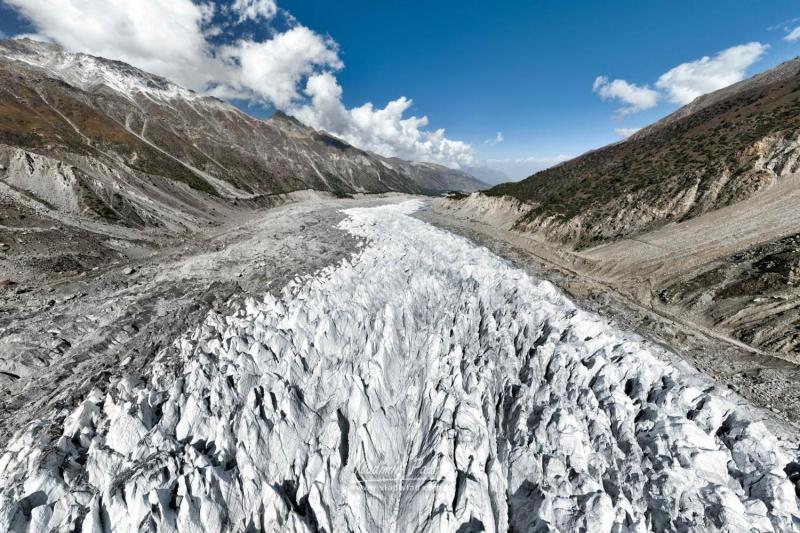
[624, 133]
[254, 9]
[634, 97]
[293, 70]
[386, 130]
[687, 81]
[273, 69]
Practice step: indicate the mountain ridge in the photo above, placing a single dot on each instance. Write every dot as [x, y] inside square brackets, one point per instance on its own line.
[694, 218]
[717, 151]
[121, 127]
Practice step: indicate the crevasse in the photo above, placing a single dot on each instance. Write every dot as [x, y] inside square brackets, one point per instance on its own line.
[423, 385]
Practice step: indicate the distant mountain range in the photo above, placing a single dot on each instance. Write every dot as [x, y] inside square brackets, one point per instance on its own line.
[491, 176]
[103, 139]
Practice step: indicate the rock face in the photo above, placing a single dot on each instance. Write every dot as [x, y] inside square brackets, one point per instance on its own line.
[499, 211]
[734, 270]
[425, 384]
[752, 295]
[122, 139]
[715, 152]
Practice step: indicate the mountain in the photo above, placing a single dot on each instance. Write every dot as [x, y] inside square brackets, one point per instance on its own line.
[694, 218]
[488, 175]
[103, 139]
[717, 151]
[433, 177]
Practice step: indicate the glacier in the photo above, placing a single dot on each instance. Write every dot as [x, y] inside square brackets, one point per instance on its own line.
[424, 384]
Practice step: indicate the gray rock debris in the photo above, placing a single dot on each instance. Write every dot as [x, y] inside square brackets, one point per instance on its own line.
[426, 385]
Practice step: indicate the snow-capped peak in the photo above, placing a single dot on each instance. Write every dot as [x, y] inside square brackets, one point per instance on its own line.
[86, 71]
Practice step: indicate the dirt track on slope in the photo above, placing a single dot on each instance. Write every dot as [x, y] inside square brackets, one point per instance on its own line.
[677, 248]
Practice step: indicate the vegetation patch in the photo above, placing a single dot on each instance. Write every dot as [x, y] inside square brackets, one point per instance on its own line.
[695, 150]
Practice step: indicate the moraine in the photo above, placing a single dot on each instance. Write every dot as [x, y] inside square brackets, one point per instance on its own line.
[423, 385]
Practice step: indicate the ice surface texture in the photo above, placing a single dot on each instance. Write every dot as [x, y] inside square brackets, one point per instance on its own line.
[425, 385]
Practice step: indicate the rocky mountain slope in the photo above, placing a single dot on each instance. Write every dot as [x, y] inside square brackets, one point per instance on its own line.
[717, 151]
[436, 178]
[753, 294]
[695, 217]
[331, 365]
[99, 138]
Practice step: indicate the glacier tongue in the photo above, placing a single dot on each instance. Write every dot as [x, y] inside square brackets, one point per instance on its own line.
[424, 385]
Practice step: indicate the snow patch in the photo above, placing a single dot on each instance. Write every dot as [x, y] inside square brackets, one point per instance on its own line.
[86, 72]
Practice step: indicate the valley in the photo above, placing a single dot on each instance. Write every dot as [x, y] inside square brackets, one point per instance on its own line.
[417, 382]
[216, 322]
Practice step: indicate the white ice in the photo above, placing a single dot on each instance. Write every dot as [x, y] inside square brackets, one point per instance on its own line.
[424, 385]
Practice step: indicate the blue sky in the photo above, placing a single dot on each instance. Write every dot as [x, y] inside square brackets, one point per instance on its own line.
[526, 68]
[522, 68]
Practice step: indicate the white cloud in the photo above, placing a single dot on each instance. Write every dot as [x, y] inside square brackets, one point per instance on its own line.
[687, 81]
[518, 169]
[624, 133]
[292, 70]
[386, 131]
[497, 139]
[636, 98]
[793, 35]
[164, 37]
[273, 69]
[255, 9]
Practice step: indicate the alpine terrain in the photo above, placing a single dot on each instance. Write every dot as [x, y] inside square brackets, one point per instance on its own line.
[99, 138]
[421, 384]
[695, 216]
[213, 322]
